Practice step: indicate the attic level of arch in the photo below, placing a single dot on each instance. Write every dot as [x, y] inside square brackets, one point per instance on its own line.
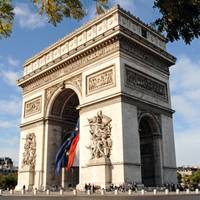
[119, 43]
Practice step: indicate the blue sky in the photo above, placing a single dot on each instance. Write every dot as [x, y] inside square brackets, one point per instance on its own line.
[32, 33]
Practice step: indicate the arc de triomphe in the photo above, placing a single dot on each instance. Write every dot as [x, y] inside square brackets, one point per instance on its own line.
[113, 74]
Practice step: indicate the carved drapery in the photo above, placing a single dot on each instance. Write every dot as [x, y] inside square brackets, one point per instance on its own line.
[100, 136]
[29, 155]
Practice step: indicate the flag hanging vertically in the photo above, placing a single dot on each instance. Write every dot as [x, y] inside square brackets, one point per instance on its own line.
[63, 152]
[72, 151]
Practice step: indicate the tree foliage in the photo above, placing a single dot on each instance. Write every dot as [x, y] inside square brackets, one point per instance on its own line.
[195, 178]
[6, 18]
[55, 10]
[179, 18]
[8, 181]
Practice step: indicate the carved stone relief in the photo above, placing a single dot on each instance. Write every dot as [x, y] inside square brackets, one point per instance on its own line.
[146, 57]
[76, 81]
[33, 106]
[145, 83]
[73, 65]
[100, 136]
[101, 80]
[29, 155]
[49, 93]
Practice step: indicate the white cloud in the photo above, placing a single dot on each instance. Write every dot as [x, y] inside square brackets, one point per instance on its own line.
[185, 86]
[188, 147]
[13, 62]
[27, 18]
[7, 124]
[12, 151]
[10, 77]
[11, 106]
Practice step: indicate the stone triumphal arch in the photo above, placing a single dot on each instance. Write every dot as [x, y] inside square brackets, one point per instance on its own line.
[113, 75]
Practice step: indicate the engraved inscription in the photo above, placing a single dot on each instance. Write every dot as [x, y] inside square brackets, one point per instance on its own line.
[139, 81]
[100, 80]
[33, 106]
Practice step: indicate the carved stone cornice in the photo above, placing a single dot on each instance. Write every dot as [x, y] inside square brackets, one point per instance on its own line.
[90, 33]
[143, 55]
[136, 40]
[77, 62]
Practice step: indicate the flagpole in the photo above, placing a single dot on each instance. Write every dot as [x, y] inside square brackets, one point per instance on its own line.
[63, 178]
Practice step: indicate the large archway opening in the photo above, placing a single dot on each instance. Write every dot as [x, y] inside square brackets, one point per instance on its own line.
[150, 151]
[63, 117]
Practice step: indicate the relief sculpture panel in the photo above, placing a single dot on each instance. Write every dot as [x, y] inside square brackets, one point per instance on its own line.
[100, 132]
[33, 106]
[29, 154]
[145, 83]
[101, 80]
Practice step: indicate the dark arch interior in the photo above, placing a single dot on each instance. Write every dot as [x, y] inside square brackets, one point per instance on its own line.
[65, 114]
[65, 106]
[147, 152]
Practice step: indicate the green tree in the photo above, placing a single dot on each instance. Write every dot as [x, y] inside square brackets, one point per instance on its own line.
[8, 181]
[195, 178]
[179, 18]
[6, 18]
[179, 177]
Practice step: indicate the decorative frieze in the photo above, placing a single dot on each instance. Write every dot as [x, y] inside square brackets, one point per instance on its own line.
[143, 55]
[29, 155]
[73, 65]
[69, 43]
[101, 80]
[144, 83]
[33, 106]
[100, 140]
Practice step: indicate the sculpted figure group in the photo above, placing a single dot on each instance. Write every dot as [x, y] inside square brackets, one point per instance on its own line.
[29, 154]
[100, 139]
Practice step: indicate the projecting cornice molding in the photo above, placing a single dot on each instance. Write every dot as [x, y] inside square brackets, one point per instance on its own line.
[114, 21]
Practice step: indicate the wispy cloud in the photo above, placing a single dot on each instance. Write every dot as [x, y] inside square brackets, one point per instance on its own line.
[185, 87]
[8, 124]
[10, 77]
[27, 18]
[10, 151]
[13, 62]
[10, 106]
[187, 146]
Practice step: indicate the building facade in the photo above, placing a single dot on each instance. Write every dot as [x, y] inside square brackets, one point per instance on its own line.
[113, 74]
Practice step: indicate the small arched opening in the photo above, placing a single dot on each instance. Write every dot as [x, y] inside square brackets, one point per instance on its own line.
[150, 151]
